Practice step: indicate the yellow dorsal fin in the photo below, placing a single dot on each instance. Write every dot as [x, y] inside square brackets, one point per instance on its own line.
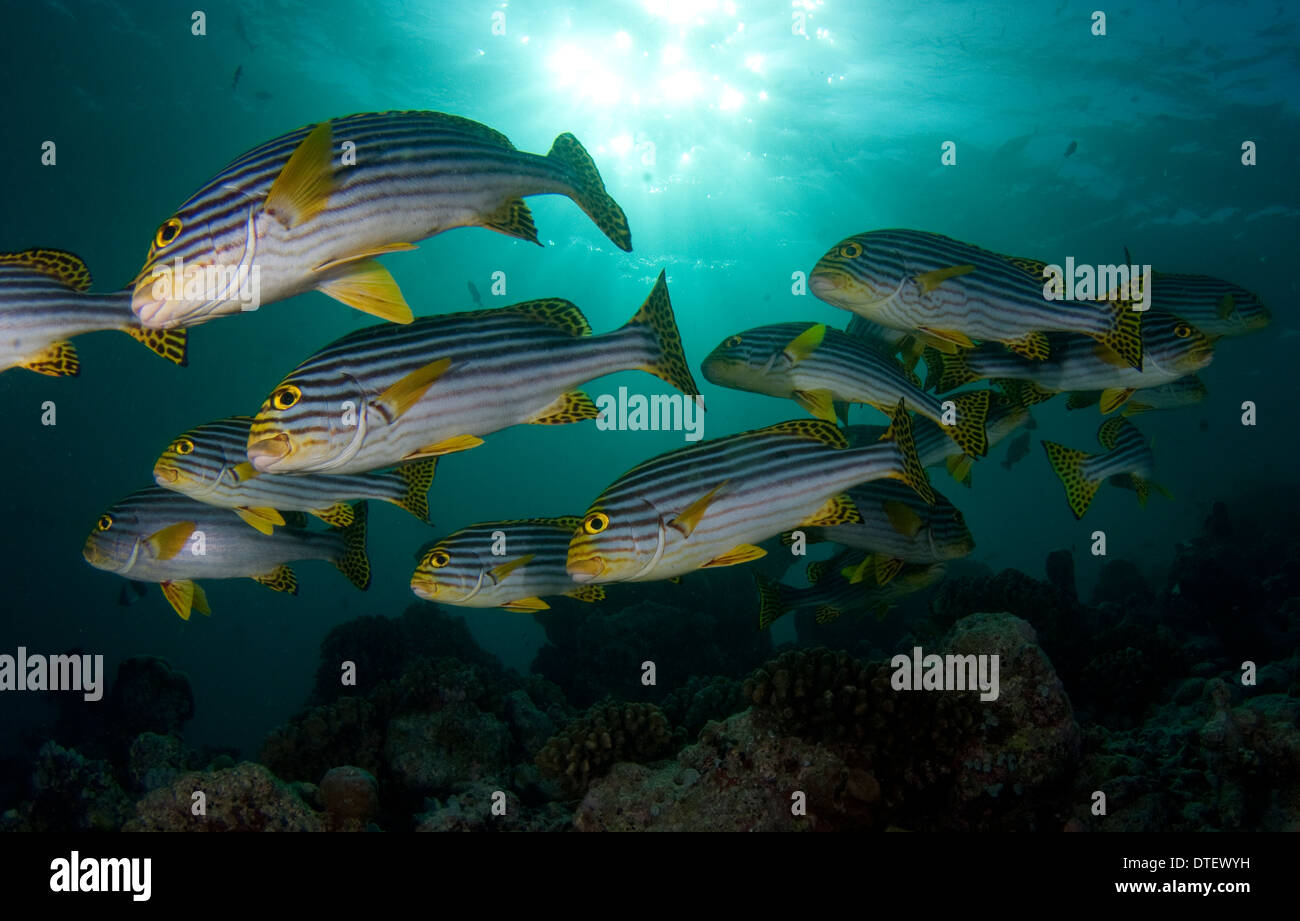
[264, 519]
[838, 509]
[690, 516]
[804, 344]
[302, 190]
[1110, 430]
[555, 312]
[166, 543]
[741, 553]
[1030, 266]
[902, 518]
[526, 605]
[588, 593]
[373, 251]
[367, 286]
[574, 406]
[499, 573]
[56, 263]
[564, 522]
[928, 281]
[821, 403]
[811, 429]
[446, 446]
[405, 393]
[280, 579]
[58, 359]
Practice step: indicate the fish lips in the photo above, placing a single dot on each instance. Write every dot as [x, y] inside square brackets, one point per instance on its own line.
[266, 453]
[584, 570]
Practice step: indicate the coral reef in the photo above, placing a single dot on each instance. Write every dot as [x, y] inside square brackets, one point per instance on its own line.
[246, 797]
[70, 793]
[149, 696]
[350, 796]
[606, 734]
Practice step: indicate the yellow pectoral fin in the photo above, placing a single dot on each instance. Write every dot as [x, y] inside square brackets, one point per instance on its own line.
[588, 593]
[902, 517]
[446, 446]
[821, 403]
[498, 573]
[168, 542]
[690, 517]
[741, 553]
[401, 396]
[1113, 399]
[367, 286]
[244, 471]
[365, 254]
[804, 344]
[302, 190]
[526, 604]
[1224, 308]
[928, 281]
[264, 519]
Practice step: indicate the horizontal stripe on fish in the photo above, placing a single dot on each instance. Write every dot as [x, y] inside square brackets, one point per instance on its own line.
[818, 367]
[388, 394]
[708, 504]
[1127, 460]
[834, 594]
[953, 293]
[210, 463]
[306, 212]
[1214, 306]
[44, 302]
[508, 564]
[155, 535]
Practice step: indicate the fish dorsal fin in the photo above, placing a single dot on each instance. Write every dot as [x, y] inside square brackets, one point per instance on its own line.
[556, 312]
[928, 281]
[816, 570]
[1110, 431]
[1029, 266]
[902, 518]
[690, 516]
[405, 393]
[525, 605]
[302, 190]
[811, 429]
[1034, 345]
[564, 522]
[804, 344]
[837, 510]
[263, 519]
[1082, 398]
[169, 541]
[499, 573]
[56, 263]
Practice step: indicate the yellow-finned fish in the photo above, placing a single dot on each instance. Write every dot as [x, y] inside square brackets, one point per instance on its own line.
[1127, 462]
[708, 504]
[838, 588]
[312, 208]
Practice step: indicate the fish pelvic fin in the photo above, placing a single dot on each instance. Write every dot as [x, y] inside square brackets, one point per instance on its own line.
[417, 477]
[771, 606]
[911, 472]
[589, 190]
[668, 361]
[1068, 465]
[184, 596]
[365, 285]
[968, 430]
[354, 563]
[172, 344]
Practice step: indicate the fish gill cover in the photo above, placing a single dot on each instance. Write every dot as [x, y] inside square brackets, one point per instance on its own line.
[469, 262]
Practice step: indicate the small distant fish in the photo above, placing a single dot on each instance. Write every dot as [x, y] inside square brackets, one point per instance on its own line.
[1018, 448]
[1074, 145]
[239, 72]
[1127, 462]
[1214, 306]
[837, 589]
[474, 295]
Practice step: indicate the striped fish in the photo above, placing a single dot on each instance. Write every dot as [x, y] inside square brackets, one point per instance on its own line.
[155, 535]
[1171, 348]
[818, 367]
[388, 394]
[1127, 462]
[210, 463]
[1186, 391]
[312, 208]
[708, 504]
[897, 528]
[465, 568]
[834, 592]
[1215, 307]
[44, 302]
[951, 293]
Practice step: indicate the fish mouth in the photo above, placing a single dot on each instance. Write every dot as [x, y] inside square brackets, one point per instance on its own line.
[268, 452]
[92, 555]
[585, 570]
[166, 475]
[424, 586]
[824, 282]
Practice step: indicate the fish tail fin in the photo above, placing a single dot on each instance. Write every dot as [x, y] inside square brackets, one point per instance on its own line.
[1068, 465]
[669, 360]
[952, 371]
[354, 563]
[589, 190]
[911, 472]
[172, 344]
[418, 477]
[770, 604]
[968, 431]
[1124, 337]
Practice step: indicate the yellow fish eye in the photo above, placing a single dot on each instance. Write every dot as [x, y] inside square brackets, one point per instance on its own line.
[732, 342]
[169, 231]
[1182, 330]
[105, 522]
[595, 523]
[851, 250]
[183, 446]
[439, 559]
[286, 397]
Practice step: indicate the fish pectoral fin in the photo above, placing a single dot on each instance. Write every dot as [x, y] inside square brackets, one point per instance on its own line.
[1224, 308]
[367, 286]
[804, 344]
[365, 254]
[446, 446]
[184, 596]
[827, 614]
[263, 519]
[302, 190]
[169, 541]
[886, 569]
[280, 579]
[588, 593]
[902, 517]
[525, 605]
[405, 393]
[514, 220]
[839, 509]
[338, 515]
[498, 573]
[855, 574]
[1109, 356]
[820, 403]
[244, 471]
[574, 406]
[556, 313]
[171, 344]
[58, 359]
[928, 281]
[1114, 398]
[741, 553]
[1034, 346]
[687, 520]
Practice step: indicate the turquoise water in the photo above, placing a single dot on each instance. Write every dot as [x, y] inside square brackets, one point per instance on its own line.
[740, 150]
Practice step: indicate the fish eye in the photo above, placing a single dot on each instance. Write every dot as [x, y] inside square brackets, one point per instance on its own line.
[1182, 330]
[183, 446]
[169, 231]
[439, 559]
[595, 523]
[851, 250]
[105, 522]
[286, 397]
[732, 342]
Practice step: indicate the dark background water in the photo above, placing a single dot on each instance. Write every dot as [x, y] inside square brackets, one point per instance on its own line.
[730, 191]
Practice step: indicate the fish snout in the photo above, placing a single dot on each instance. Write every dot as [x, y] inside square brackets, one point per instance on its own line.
[585, 570]
[268, 452]
[165, 474]
[424, 585]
